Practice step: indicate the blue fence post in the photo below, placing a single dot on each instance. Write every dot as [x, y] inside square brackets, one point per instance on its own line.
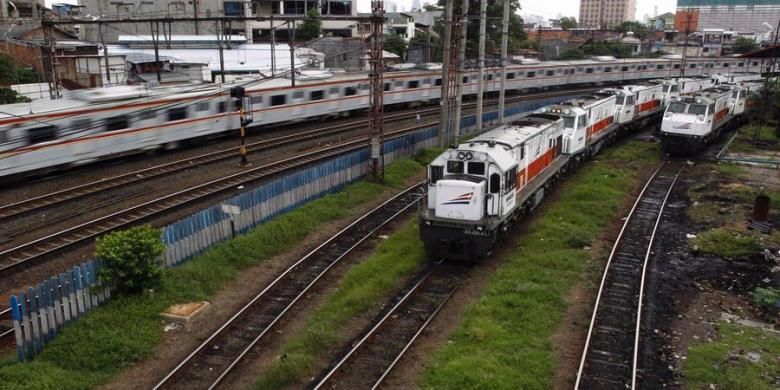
[16, 316]
[42, 315]
[26, 326]
[56, 301]
[65, 286]
[36, 332]
[79, 293]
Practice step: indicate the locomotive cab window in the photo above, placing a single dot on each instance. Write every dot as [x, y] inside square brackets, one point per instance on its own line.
[118, 122]
[495, 183]
[37, 135]
[437, 172]
[581, 122]
[454, 166]
[278, 100]
[178, 113]
[476, 168]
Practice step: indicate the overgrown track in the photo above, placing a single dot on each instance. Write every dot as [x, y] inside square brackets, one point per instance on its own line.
[24, 254]
[372, 358]
[215, 358]
[609, 359]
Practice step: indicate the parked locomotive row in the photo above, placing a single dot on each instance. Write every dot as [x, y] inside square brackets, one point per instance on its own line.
[212, 362]
[610, 356]
[371, 359]
[478, 189]
[97, 124]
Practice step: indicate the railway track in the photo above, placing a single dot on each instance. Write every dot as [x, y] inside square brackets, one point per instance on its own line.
[25, 253]
[374, 356]
[209, 364]
[37, 203]
[610, 357]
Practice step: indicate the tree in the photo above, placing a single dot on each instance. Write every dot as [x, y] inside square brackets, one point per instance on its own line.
[10, 73]
[495, 14]
[572, 54]
[568, 23]
[395, 44]
[311, 28]
[130, 258]
[640, 30]
[744, 45]
[9, 96]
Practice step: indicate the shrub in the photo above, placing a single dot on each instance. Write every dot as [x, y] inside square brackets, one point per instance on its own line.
[765, 297]
[131, 258]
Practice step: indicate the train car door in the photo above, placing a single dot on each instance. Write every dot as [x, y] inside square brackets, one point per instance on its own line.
[426, 88]
[493, 199]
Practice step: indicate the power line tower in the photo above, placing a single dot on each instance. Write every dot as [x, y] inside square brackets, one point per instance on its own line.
[375, 99]
[450, 90]
[51, 58]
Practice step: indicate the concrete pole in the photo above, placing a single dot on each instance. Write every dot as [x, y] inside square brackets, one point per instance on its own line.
[504, 44]
[481, 85]
[445, 75]
[3, 9]
[461, 68]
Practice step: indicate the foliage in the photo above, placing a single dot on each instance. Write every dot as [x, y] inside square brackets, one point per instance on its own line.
[744, 45]
[9, 96]
[504, 340]
[766, 297]
[724, 364]
[572, 54]
[131, 258]
[10, 73]
[728, 244]
[495, 14]
[359, 291]
[568, 23]
[311, 27]
[640, 30]
[127, 329]
[603, 48]
[395, 45]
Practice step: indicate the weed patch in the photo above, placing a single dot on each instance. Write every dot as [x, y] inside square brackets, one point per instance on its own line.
[725, 363]
[397, 257]
[504, 341]
[727, 243]
[129, 329]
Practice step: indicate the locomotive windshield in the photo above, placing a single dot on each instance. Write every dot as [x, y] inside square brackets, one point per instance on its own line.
[697, 109]
[568, 122]
[677, 107]
[619, 99]
[454, 166]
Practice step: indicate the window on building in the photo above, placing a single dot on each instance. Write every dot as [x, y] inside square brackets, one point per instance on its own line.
[234, 8]
[339, 8]
[177, 113]
[278, 100]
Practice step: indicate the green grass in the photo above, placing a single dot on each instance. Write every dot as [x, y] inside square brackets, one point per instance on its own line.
[504, 341]
[724, 363]
[398, 256]
[127, 330]
[726, 243]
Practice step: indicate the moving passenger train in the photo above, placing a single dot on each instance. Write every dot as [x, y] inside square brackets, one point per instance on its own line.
[89, 125]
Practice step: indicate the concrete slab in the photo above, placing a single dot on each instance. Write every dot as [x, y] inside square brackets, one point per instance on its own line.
[185, 312]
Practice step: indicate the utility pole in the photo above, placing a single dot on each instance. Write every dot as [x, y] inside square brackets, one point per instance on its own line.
[685, 49]
[481, 85]
[155, 30]
[504, 49]
[105, 52]
[376, 90]
[219, 28]
[444, 100]
[291, 38]
[464, 23]
[273, 48]
[51, 50]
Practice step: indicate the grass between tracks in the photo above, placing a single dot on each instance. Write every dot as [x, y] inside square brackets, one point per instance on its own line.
[504, 340]
[360, 289]
[129, 329]
[725, 362]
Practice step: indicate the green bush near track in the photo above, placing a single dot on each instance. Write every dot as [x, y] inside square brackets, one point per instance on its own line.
[504, 341]
[128, 329]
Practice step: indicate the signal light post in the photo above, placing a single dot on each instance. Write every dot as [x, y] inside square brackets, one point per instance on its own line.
[239, 93]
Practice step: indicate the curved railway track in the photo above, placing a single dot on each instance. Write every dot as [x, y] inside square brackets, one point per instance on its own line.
[373, 357]
[40, 202]
[610, 356]
[211, 362]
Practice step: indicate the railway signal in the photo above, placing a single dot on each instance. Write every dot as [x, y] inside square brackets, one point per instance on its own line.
[239, 93]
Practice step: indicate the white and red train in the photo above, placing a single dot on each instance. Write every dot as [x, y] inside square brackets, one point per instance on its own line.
[96, 124]
[477, 189]
[692, 121]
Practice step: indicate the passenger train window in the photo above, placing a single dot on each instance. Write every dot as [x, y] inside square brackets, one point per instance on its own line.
[387, 87]
[350, 91]
[476, 168]
[755, 64]
[676, 66]
[278, 100]
[659, 67]
[489, 77]
[297, 95]
[202, 106]
[624, 69]
[607, 69]
[316, 95]
[399, 83]
[726, 64]
[454, 166]
[510, 76]
[333, 92]
[495, 183]
[41, 134]
[550, 72]
[693, 66]
[414, 84]
[531, 75]
[465, 79]
[741, 64]
[437, 172]
[437, 82]
[589, 70]
[257, 100]
[80, 125]
[3, 137]
[178, 113]
[222, 107]
[427, 82]
[118, 122]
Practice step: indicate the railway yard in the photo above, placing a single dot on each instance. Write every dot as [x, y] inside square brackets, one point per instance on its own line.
[593, 240]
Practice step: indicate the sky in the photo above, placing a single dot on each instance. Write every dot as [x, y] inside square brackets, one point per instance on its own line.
[547, 8]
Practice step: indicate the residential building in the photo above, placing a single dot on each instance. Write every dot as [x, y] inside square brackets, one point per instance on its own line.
[742, 16]
[252, 30]
[662, 22]
[606, 13]
[22, 8]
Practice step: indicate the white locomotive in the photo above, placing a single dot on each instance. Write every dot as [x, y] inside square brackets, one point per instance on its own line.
[92, 125]
[477, 189]
[693, 121]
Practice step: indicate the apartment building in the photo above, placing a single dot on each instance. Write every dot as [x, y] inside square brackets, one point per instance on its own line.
[742, 16]
[606, 13]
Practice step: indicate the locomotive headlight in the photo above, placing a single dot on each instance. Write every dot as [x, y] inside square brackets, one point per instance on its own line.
[480, 228]
[482, 157]
[469, 156]
[461, 155]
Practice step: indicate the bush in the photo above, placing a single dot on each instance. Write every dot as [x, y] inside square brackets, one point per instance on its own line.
[766, 297]
[9, 96]
[131, 258]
